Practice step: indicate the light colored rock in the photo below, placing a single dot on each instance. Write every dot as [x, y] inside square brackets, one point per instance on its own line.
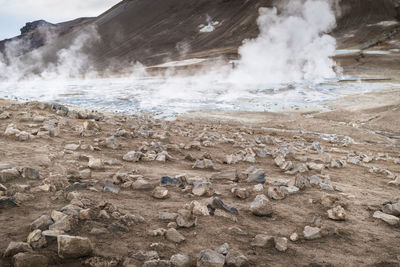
[132, 156]
[281, 243]
[294, 237]
[36, 239]
[174, 236]
[64, 224]
[275, 193]
[199, 208]
[203, 189]
[312, 232]
[258, 188]
[180, 260]
[337, 213]
[160, 192]
[95, 164]
[210, 258]
[141, 184]
[224, 249]
[261, 206]
[231, 175]
[390, 219]
[203, 164]
[73, 246]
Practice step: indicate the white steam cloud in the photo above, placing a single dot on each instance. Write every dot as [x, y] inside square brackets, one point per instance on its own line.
[293, 44]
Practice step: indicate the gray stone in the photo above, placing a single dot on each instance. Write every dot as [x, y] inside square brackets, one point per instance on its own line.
[390, 219]
[204, 164]
[281, 243]
[203, 189]
[30, 173]
[255, 175]
[65, 224]
[109, 186]
[236, 259]
[132, 156]
[275, 193]
[30, 260]
[17, 247]
[42, 223]
[73, 246]
[262, 241]
[160, 192]
[180, 260]
[224, 249]
[241, 193]
[210, 258]
[174, 236]
[8, 175]
[231, 175]
[261, 206]
[311, 232]
[157, 263]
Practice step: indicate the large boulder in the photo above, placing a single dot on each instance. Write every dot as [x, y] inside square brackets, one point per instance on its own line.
[30, 260]
[210, 258]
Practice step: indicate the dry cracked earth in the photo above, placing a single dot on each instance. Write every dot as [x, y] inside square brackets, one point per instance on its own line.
[82, 188]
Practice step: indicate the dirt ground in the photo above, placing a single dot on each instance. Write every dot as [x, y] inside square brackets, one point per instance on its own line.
[360, 240]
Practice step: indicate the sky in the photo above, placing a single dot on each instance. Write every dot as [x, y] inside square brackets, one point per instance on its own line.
[15, 13]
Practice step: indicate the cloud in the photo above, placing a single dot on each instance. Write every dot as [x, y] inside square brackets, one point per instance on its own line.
[14, 14]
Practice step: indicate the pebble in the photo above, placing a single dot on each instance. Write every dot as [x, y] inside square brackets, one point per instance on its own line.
[30, 173]
[95, 164]
[275, 193]
[204, 164]
[224, 249]
[262, 241]
[109, 186]
[241, 193]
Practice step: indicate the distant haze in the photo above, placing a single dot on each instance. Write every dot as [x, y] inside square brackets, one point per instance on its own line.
[14, 14]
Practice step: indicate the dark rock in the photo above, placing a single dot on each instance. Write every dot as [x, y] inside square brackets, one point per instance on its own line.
[30, 26]
[76, 186]
[30, 173]
[217, 203]
[8, 202]
[42, 223]
[165, 181]
[60, 109]
[118, 228]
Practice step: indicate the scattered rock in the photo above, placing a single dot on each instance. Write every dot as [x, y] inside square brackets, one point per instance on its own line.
[30, 173]
[224, 249]
[294, 237]
[174, 236]
[236, 259]
[73, 246]
[36, 239]
[95, 164]
[275, 193]
[42, 223]
[160, 192]
[255, 175]
[262, 241]
[217, 203]
[30, 260]
[203, 189]
[17, 247]
[281, 243]
[132, 156]
[180, 260]
[241, 193]
[312, 232]
[109, 186]
[261, 206]
[168, 181]
[337, 213]
[199, 208]
[204, 164]
[231, 175]
[210, 258]
[390, 219]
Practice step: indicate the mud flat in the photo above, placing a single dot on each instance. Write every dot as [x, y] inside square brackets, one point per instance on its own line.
[80, 188]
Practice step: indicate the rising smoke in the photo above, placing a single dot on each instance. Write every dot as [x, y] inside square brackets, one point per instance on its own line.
[293, 44]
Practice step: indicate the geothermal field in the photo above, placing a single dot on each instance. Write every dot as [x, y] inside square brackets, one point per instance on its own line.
[203, 133]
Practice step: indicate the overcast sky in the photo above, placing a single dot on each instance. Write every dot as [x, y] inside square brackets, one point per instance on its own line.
[15, 13]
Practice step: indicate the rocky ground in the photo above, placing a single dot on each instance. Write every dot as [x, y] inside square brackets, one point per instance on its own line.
[81, 188]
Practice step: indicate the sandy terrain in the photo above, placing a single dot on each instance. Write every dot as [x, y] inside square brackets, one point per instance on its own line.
[366, 140]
